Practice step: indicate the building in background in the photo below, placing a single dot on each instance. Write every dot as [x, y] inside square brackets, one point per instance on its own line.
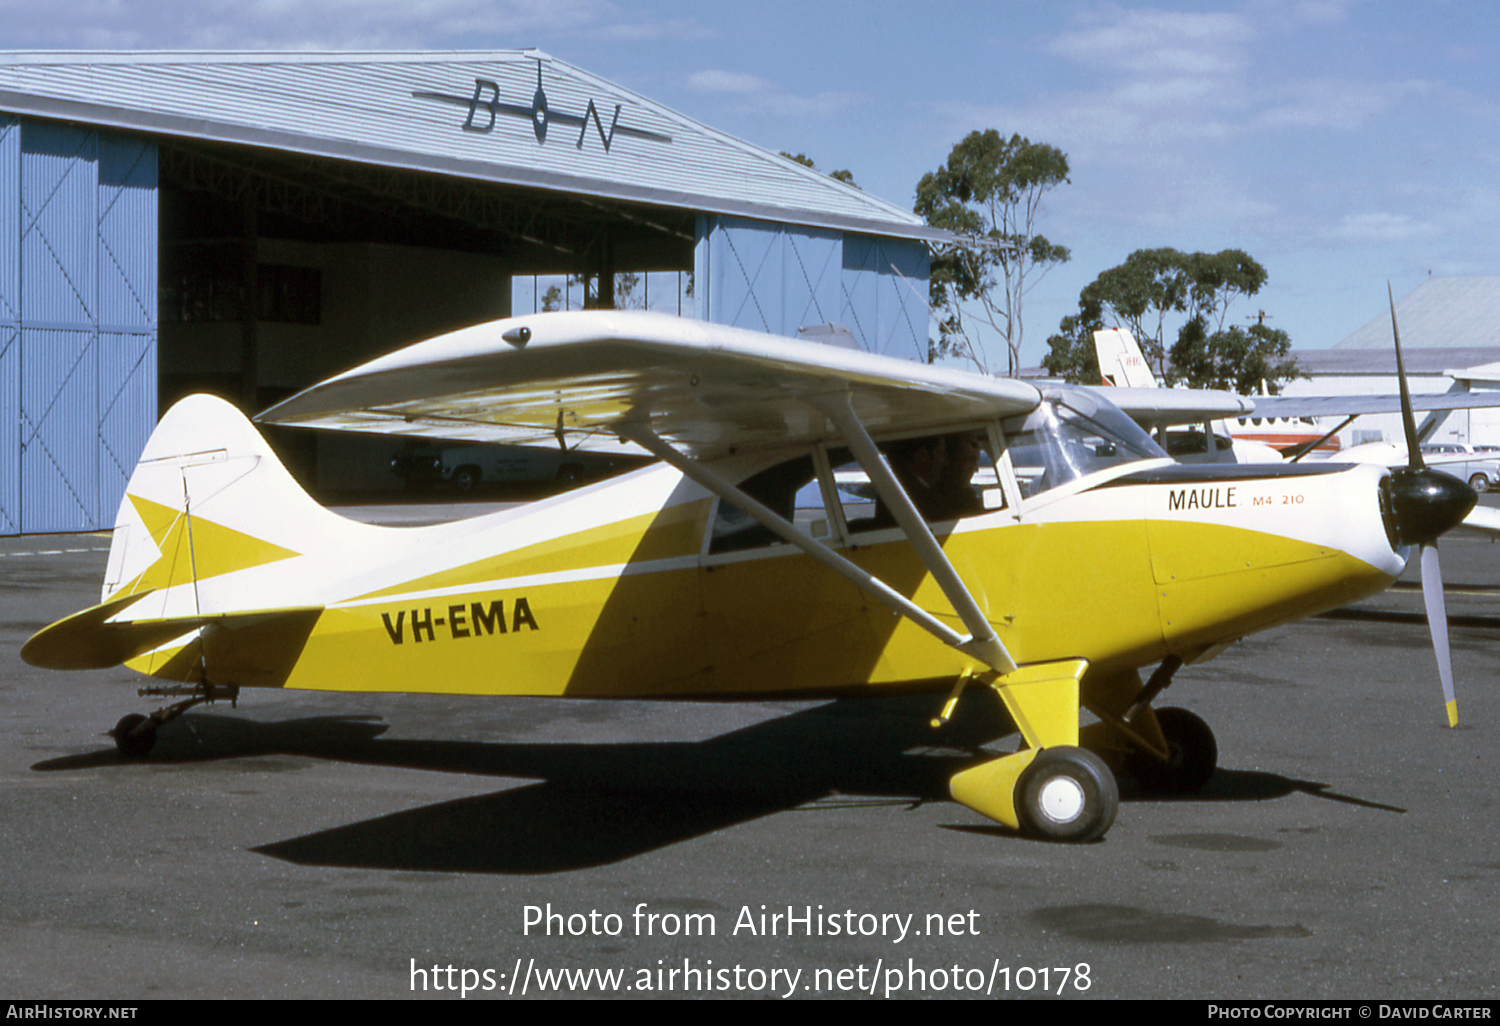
[1450, 336]
[248, 224]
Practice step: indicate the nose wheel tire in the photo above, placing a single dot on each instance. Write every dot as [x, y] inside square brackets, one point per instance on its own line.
[1067, 794]
[1193, 755]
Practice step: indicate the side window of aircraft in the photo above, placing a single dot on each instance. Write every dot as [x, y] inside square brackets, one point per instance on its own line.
[948, 476]
[775, 487]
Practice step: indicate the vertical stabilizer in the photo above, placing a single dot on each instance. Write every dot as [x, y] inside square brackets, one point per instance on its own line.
[1120, 359]
[208, 498]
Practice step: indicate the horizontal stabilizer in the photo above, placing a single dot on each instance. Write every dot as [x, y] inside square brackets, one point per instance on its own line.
[88, 641]
[94, 640]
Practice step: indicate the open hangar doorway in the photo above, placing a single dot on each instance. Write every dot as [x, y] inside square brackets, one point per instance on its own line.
[347, 261]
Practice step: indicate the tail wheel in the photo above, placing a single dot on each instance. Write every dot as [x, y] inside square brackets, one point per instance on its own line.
[1067, 794]
[1193, 755]
[135, 735]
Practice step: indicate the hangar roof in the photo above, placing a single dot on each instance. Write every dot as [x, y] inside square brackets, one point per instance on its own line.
[519, 118]
[1440, 313]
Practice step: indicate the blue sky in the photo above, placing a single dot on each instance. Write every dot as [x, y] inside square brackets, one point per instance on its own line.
[1342, 143]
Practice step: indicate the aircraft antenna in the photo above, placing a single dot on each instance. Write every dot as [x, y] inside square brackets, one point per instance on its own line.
[187, 513]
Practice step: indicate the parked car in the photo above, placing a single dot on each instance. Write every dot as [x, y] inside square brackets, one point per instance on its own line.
[1480, 469]
[465, 468]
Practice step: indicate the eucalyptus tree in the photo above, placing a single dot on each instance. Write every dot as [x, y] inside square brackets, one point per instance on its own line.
[991, 190]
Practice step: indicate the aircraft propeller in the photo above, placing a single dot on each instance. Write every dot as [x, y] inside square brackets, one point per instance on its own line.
[1425, 503]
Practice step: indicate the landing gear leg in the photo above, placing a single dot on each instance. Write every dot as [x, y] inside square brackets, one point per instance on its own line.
[135, 735]
[1192, 755]
[1052, 788]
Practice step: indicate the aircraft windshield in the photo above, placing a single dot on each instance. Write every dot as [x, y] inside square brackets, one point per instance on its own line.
[1071, 434]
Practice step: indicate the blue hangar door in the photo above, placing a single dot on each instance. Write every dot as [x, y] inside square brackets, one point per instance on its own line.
[78, 266]
[780, 278]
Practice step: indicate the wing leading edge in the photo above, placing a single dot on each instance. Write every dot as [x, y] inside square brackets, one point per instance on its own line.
[584, 376]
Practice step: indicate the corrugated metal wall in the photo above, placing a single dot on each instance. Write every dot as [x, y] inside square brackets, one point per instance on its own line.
[769, 277]
[10, 325]
[81, 368]
[885, 294]
[778, 278]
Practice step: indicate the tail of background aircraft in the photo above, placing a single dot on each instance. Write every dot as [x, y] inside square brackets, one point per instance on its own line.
[208, 500]
[1120, 359]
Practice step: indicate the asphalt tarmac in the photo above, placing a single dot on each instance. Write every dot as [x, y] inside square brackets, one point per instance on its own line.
[349, 846]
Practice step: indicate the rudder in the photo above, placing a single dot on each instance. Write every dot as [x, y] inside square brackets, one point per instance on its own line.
[208, 497]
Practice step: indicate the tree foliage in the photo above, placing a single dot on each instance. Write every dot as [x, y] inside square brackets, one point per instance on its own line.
[990, 188]
[628, 292]
[1176, 305]
[845, 176]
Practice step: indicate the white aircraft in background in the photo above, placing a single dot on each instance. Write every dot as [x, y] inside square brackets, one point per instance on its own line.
[1123, 366]
[1288, 418]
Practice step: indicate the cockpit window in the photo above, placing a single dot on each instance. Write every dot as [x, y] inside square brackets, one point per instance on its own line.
[1071, 434]
[947, 476]
[777, 488]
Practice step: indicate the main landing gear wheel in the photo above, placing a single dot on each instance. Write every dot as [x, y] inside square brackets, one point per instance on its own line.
[1193, 755]
[134, 735]
[1067, 794]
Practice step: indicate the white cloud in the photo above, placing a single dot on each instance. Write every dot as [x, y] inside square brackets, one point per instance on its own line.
[717, 81]
[1380, 227]
[1155, 42]
[759, 96]
[1335, 103]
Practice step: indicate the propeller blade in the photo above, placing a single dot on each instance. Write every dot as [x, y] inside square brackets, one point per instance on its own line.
[1437, 623]
[1408, 418]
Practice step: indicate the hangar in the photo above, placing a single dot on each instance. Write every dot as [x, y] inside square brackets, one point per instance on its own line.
[249, 223]
[1450, 337]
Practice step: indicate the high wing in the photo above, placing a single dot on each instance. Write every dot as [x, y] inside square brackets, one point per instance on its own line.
[689, 393]
[583, 378]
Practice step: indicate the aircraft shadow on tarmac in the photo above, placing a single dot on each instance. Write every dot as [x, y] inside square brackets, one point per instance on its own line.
[596, 804]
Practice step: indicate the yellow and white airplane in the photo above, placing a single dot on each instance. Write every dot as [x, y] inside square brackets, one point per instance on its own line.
[1096, 555]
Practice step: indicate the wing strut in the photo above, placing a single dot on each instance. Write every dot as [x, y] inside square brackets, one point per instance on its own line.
[987, 650]
[982, 643]
[647, 439]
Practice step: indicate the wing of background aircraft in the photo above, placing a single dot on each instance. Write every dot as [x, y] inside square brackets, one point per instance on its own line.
[1121, 363]
[1162, 407]
[1359, 405]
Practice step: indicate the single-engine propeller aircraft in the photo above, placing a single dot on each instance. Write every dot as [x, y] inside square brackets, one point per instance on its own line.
[1089, 556]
